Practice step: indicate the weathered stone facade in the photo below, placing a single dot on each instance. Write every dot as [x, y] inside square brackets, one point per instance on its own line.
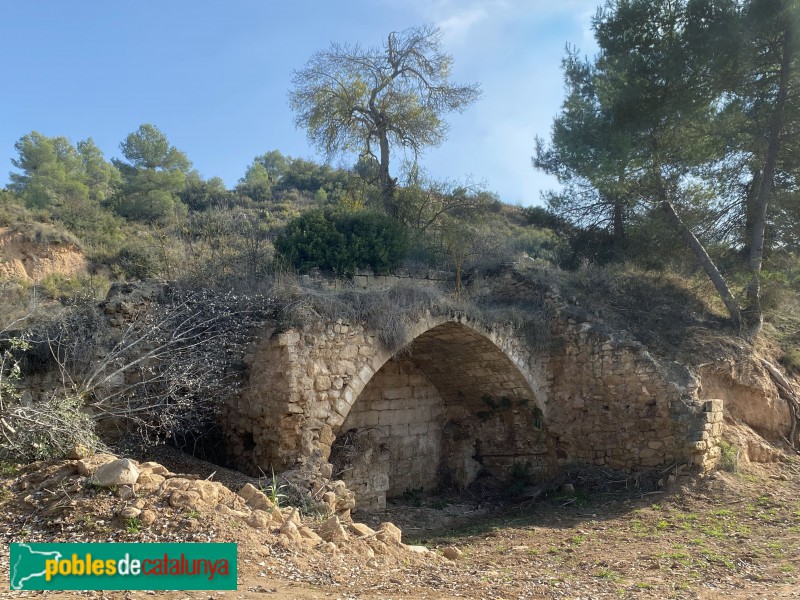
[464, 400]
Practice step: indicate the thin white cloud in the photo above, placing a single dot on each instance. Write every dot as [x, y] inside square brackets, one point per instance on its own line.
[459, 18]
[456, 18]
[457, 26]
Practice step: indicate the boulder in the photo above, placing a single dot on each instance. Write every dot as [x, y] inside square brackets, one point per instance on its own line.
[227, 510]
[361, 530]
[259, 519]
[293, 515]
[209, 491]
[154, 467]
[117, 472]
[309, 534]
[289, 529]
[255, 498]
[332, 530]
[185, 499]
[329, 498]
[150, 479]
[389, 533]
[89, 465]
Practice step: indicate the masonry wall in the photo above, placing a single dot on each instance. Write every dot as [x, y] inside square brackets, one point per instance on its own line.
[612, 404]
[395, 428]
[585, 396]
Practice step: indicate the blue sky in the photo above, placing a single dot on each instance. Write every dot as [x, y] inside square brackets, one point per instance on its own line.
[214, 76]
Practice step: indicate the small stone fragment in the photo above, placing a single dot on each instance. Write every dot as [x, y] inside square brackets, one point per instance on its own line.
[79, 451]
[130, 512]
[147, 517]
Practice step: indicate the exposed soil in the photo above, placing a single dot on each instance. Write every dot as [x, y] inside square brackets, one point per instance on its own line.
[24, 260]
[728, 535]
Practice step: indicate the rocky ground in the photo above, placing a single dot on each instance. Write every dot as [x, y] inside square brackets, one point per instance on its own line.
[728, 535]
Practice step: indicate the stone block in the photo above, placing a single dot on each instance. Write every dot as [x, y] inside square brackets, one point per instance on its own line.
[342, 407]
[365, 373]
[380, 482]
[255, 498]
[399, 429]
[418, 428]
[322, 383]
[348, 395]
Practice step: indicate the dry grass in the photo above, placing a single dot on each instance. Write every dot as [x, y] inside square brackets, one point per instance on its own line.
[390, 312]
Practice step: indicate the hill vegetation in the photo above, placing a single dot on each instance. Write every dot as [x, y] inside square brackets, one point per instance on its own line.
[678, 208]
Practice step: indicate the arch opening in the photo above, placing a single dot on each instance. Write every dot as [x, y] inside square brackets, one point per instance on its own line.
[452, 410]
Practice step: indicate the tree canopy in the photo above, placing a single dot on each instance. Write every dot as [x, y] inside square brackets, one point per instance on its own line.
[690, 106]
[366, 100]
[153, 176]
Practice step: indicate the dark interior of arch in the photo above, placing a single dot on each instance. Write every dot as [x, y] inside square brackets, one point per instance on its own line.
[452, 411]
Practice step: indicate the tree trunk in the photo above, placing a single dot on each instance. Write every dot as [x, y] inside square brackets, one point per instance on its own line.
[619, 231]
[752, 311]
[708, 265]
[387, 189]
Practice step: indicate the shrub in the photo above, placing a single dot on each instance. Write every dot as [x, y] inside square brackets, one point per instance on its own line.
[37, 430]
[46, 429]
[341, 242]
[729, 457]
[791, 360]
[136, 260]
[47, 234]
[64, 288]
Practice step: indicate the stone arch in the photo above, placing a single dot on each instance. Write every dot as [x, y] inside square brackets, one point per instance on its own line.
[497, 345]
[460, 402]
[602, 399]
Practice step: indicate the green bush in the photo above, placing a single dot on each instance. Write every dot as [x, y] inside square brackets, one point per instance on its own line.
[136, 260]
[65, 288]
[341, 242]
[729, 457]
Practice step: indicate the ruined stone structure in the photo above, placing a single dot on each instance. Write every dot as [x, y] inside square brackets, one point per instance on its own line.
[463, 400]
